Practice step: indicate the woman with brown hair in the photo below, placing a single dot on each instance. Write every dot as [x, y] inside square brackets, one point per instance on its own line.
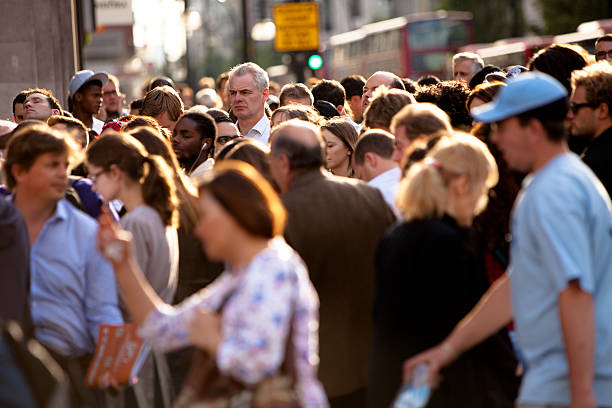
[340, 137]
[244, 319]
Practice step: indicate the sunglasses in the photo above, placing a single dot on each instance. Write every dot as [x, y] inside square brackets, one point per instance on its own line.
[225, 139]
[575, 107]
[603, 55]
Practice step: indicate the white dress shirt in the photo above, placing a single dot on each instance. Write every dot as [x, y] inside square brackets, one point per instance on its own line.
[387, 184]
[260, 132]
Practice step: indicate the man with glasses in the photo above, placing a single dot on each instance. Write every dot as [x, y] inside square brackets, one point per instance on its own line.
[590, 116]
[226, 129]
[112, 100]
[603, 48]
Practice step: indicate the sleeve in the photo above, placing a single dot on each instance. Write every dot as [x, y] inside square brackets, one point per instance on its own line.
[256, 323]
[141, 248]
[101, 304]
[559, 220]
[167, 329]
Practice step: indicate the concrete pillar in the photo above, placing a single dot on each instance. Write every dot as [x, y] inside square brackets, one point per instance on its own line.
[37, 48]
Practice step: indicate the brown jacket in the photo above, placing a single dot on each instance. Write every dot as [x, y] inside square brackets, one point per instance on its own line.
[335, 224]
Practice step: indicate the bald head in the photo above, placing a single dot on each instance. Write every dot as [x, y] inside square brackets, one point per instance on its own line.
[377, 79]
[300, 142]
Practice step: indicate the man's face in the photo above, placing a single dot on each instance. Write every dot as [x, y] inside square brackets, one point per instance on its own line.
[246, 100]
[226, 132]
[513, 140]
[584, 121]
[604, 46]
[111, 97]
[356, 106]
[402, 142]
[186, 141]
[91, 98]
[463, 71]
[47, 178]
[36, 106]
[371, 84]
[19, 111]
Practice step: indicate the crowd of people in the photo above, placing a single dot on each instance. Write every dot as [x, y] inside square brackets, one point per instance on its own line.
[312, 244]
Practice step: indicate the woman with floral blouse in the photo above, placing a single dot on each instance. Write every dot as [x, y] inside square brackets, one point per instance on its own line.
[265, 292]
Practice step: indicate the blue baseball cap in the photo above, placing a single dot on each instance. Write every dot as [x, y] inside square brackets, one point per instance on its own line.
[523, 93]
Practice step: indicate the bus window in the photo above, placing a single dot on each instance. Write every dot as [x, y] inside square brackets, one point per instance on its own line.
[437, 33]
[430, 62]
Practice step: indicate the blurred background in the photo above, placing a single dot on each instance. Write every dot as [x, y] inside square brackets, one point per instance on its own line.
[46, 41]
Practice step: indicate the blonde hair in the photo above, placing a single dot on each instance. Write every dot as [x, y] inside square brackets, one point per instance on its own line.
[423, 193]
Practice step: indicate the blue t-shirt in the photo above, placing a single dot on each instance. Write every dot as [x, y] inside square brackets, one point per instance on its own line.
[561, 231]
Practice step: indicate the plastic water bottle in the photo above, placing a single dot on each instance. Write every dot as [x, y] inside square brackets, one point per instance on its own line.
[415, 393]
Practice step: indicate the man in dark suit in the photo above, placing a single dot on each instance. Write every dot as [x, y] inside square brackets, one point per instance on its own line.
[334, 223]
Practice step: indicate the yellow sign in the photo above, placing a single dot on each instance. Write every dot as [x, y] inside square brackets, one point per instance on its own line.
[297, 26]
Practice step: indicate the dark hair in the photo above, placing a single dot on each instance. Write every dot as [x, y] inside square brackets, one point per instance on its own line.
[52, 100]
[219, 115]
[295, 90]
[227, 148]
[559, 61]
[159, 81]
[326, 109]
[551, 116]
[157, 144]
[485, 92]
[481, 75]
[330, 91]
[137, 104]
[375, 141]
[205, 125]
[19, 98]
[256, 155]
[604, 38]
[427, 80]
[83, 89]
[385, 104]
[150, 171]
[301, 155]
[353, 85]
[397, 83]
[410, 85]
[138, 121]
[30, 141]
[450, 96]
[75, 126]
[246, 195]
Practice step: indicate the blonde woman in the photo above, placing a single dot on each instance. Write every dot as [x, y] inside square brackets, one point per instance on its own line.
[429, 275]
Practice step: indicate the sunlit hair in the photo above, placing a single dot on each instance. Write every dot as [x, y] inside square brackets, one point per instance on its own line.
[596, 79]
[384, 105]
[162, 99]
[302, 112]
[423, 193]
[420, 119]
[247, 196]
[345, 131]
[260, 76]
[150, 171]
[30, 142]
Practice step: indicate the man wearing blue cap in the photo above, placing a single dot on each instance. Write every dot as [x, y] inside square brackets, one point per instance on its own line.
[558, 288]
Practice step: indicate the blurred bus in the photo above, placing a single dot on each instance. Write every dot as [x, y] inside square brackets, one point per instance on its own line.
[518, 51]
[409, 46]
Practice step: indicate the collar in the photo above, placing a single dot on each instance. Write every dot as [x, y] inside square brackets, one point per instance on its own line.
[393, 174]
[259, 127]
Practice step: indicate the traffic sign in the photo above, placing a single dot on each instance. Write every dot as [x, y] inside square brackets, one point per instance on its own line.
[297, 26]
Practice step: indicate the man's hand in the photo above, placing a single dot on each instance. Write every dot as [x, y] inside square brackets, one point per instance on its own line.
[436, 358]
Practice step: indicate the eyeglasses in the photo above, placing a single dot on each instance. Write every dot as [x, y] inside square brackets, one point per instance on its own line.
[603, 55]
[575, 107]
[225, 139]
[94, 177]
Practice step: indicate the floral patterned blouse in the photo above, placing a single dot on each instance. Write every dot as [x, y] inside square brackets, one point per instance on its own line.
[259, 300]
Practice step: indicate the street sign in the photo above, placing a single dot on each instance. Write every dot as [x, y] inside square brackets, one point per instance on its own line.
[297, 26]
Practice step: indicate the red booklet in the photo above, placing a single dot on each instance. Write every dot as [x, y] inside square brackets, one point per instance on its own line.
[116, 354]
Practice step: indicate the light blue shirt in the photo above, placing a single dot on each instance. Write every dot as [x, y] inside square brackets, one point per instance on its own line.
[561, 231]
[73, 288]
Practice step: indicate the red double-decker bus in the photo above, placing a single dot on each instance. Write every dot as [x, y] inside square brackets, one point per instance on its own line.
[409, 46]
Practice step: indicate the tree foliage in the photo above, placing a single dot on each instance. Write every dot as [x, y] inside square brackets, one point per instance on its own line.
[493, 19]
[563, 16]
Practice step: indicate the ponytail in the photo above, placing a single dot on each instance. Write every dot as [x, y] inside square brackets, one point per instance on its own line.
[159, 190]
[422, 193]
